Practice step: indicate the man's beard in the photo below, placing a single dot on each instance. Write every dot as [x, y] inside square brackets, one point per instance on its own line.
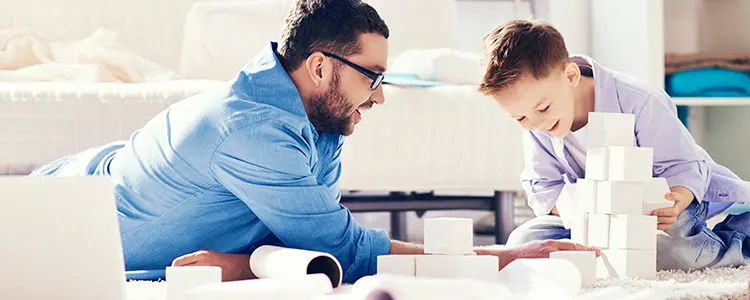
[330, 111]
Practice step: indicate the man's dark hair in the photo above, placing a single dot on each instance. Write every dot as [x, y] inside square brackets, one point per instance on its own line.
[326, 25]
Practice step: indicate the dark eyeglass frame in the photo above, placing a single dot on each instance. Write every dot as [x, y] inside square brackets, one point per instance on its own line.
[377, 78]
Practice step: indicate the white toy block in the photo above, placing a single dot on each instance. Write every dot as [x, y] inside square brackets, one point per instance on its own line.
[586, 195]
[632, 232]
[579, 231]
[451, 236]
[585, 261]
[654, 195]
[397, 264]
[620, 197]
[566, 204]
[598, 230]
[181, 280]
[610, 129]
[619, 263]
[540, 278]
[631, 164]
[597, 163]
[481, 267]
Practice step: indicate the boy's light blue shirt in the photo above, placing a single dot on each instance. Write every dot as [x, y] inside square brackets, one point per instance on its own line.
[676, 155]
[229, 171]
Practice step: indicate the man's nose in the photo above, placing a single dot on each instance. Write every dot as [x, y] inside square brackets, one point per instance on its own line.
[378, 97]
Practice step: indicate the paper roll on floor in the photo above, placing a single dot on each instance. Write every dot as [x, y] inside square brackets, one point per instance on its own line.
[305, 287]
[541, 278]
[279, 262]
[399, 287]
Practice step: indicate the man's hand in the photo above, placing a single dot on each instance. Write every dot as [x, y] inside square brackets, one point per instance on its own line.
[534, 249]
[233, 266]
[682, 197]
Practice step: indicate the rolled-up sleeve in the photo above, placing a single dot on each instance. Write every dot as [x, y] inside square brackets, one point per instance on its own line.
[542, 177]
[676, 157]
[267, 166]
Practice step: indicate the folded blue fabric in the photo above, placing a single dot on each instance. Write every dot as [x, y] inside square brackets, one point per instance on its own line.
[709, 82]
[407, 79]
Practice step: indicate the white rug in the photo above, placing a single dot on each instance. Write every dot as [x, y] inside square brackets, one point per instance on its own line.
[725, 283]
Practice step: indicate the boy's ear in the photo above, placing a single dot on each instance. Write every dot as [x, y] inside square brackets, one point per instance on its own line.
[572, 73]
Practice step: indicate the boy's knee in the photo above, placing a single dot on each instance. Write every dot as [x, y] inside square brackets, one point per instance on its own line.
[541, 228]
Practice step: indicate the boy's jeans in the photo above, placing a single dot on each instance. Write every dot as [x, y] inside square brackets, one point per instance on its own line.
[688, 244]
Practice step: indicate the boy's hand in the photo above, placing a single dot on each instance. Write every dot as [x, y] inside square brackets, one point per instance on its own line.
[682, 197]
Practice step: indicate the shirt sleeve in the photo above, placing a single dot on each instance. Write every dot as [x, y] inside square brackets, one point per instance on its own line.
[268, 166]
[676, 156]
[542, 177]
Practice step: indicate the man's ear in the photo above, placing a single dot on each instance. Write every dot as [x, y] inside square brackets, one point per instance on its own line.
[572, 73]
[315, 65]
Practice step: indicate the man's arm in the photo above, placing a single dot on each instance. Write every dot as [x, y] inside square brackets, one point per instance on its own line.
[267, 165]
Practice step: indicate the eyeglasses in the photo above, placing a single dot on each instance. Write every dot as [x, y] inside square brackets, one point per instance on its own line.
[377, 78]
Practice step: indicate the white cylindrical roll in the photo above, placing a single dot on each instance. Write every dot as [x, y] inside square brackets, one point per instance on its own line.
[280, 262]
[399, 287]
[559, 278]
[182, 279]
[289, 288]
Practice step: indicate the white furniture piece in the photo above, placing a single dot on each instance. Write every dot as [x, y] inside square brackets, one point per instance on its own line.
[63, 237]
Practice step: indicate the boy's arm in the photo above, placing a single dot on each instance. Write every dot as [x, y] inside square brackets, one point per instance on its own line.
[542, 177]
[676, 156]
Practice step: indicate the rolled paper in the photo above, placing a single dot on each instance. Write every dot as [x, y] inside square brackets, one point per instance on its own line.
[279, 262]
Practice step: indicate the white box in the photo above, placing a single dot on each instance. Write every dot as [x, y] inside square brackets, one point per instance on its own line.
[654, 195]
[586, 195]
[180, 280]
[481, 267]
[585, 261]
[597, 163]
[449, 236]
[636, 232]
[610, 129]
[566, 204]
[579, 231]
[620, 263]
[631, 164]
[620, 197]
[397, 264]
[598, 230]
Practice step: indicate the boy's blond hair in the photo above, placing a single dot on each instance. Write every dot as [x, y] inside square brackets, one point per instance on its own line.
[521, 48]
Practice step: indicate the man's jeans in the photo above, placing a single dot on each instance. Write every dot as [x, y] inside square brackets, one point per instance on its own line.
[688, 244]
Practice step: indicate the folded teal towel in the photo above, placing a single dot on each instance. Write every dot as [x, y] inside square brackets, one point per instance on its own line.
[709, 82]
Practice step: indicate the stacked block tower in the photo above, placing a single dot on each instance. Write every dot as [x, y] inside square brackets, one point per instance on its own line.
[610, 208]
[448, 245]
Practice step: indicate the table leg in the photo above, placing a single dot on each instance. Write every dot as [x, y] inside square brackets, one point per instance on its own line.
[504, 216]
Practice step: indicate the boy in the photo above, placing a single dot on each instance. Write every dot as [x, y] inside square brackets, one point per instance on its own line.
[531, 76]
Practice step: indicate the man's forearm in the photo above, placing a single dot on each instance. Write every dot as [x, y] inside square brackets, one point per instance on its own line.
[504, 256]
[398, 247]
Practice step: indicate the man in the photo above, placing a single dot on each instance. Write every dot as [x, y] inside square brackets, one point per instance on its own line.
[217, 175]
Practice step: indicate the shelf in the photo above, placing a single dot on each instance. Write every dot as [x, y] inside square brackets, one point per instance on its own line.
[711, 101]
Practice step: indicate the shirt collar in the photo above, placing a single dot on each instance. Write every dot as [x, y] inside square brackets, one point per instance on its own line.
[264, 80]
[606, 98]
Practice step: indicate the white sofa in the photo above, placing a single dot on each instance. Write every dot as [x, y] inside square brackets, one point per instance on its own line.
[446, 138]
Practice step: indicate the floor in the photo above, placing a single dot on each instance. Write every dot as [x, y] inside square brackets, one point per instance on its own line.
[725, 283]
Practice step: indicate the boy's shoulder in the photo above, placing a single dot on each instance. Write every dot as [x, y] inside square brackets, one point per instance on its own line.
[631, 94]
